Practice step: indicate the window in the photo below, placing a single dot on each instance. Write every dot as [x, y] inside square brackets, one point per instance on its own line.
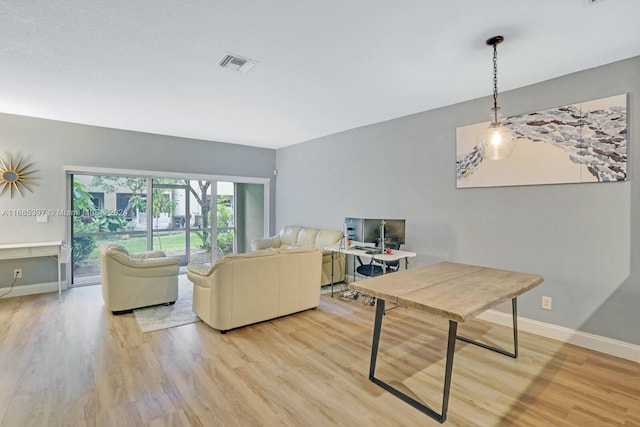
[122, 204]
[98, 200]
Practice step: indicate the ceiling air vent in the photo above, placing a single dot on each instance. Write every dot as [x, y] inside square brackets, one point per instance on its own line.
[237, 63]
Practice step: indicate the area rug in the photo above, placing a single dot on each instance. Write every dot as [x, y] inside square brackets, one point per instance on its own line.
[167, 316]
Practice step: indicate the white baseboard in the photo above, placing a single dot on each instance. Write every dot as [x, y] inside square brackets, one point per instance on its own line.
[38, 288]
[598, 343]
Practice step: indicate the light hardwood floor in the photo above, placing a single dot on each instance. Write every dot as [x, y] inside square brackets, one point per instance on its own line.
[69, 362]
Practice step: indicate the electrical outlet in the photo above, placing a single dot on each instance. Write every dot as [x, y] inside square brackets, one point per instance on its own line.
[546, 303]
[17, 273]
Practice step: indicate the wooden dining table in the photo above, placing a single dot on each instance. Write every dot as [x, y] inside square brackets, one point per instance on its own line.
[456, 292]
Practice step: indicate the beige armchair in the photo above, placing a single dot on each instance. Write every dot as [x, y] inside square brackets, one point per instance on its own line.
[134, 280]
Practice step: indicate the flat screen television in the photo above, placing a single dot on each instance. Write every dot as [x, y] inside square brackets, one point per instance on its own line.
[368, 230]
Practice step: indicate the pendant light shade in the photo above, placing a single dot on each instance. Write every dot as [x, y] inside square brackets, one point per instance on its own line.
[497, 140]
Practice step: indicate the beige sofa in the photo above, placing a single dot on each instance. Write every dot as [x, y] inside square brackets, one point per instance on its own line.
[134, 280]
[239, 290]
[294, 237]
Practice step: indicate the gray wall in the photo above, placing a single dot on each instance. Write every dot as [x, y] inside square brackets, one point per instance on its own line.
[51, 145]
[583, 238]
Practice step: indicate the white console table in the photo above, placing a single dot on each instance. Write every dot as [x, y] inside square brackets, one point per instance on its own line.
[58, 250]
[359, 249]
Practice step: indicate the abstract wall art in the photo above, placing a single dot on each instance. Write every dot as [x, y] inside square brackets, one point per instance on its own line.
[577, 143]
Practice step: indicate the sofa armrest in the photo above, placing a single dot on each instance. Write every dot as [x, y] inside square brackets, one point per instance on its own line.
[269, 242]
[200, 269]
[328, 238]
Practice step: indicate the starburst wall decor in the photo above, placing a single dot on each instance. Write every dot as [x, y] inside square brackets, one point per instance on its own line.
[15, 178]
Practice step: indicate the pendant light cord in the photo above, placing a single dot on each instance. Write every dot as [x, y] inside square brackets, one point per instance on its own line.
[495, 82]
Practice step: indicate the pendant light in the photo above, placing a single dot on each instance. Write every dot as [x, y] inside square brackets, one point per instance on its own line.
[497, 140]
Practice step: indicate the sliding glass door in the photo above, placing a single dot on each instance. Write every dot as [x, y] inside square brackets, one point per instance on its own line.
[170, 218]
[107, 209]
[178, 216]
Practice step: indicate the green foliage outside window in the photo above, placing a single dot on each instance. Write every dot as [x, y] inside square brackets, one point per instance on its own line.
[109, 221]
[82, 203]
[85, 245]
[224, 220]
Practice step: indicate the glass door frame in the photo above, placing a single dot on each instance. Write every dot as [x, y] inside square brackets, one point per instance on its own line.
[184, 260]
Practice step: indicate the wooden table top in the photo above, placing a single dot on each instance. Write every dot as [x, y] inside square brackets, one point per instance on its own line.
[455, 291]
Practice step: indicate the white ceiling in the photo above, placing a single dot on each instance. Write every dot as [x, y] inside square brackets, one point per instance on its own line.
[324, 66]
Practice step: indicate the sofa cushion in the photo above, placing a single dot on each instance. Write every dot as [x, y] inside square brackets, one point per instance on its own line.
[289, 236]
[269, 242]
[307, 237]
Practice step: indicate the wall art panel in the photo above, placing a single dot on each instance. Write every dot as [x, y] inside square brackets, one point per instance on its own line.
[584, 142]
